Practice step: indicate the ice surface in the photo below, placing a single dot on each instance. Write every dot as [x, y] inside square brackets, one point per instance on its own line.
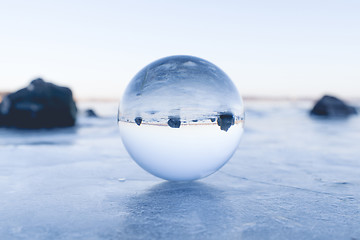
[292, 177]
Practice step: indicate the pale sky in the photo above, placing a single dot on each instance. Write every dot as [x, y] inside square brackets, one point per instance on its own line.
[272, 48]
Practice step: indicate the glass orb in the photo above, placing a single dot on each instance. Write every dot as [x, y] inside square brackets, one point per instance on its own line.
[181, 118]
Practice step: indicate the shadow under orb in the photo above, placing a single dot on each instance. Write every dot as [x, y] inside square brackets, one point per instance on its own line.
[178, 210]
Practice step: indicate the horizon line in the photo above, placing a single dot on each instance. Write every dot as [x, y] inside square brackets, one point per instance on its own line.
[247, 97]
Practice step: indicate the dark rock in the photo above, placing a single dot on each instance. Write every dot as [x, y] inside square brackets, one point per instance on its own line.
[174, 122]
[330, 106]
[225, 121]
[90, 113]
[1, 119]
[212, 119]
[138, 120]
[40, 105]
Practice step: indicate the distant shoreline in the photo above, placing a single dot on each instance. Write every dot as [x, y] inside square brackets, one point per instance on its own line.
[246, 98]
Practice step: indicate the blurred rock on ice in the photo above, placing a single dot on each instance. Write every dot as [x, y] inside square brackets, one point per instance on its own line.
[40, 105]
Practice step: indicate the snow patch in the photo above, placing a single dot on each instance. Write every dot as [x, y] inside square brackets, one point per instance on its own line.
[5, 106]
[31, 87]
[167, 66]
[189, 64]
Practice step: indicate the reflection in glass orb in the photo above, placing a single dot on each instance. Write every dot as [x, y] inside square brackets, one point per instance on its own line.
[181, 118]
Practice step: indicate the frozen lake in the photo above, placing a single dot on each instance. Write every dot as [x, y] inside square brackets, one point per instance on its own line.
[292, 177]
